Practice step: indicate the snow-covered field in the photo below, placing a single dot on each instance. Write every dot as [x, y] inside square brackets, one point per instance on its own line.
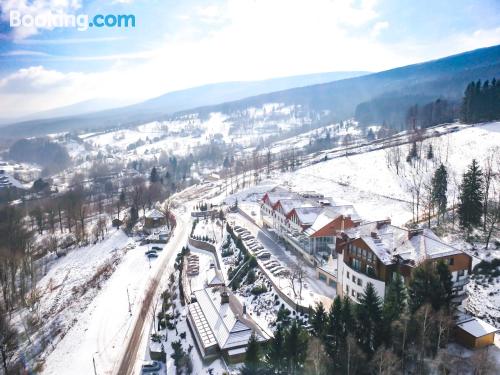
[100, 327]
[376, 190]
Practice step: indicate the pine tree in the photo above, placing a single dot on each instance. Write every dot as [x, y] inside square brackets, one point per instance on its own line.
[430, 153]
[470, 208]
[318, 320]
[395, 302]
[276, 352]
[396, 299]
[295, 348]
[154, 177]
[348, 319]
[427, 286]
[439, 190]
[253, 364]
[336, 335]
[444, 275]
[369, 319]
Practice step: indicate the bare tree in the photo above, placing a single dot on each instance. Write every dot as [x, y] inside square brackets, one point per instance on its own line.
[296, 278]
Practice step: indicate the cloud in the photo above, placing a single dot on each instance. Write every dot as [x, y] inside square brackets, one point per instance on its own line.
[34, 8]
[378, 27]
[68, 40]
[16, 53]
[36, 79]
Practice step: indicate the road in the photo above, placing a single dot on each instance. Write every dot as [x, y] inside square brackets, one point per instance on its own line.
[129, 358]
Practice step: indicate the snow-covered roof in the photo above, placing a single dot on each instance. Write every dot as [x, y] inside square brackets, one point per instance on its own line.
[388, 241]
[477, 327]
[154, 214]
[229, 331]
[214, 278]
[275, 197]
[330, 213]
[289, 204]
[307, 215]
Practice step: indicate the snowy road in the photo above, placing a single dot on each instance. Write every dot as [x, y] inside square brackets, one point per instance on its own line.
[102, 331]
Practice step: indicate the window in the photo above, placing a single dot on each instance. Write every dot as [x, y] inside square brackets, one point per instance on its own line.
[356, 264]
[461, 273]
[353, 293]
[354, 279]
[348, 274]
[451, 261]
[360, 282]
[347, 289]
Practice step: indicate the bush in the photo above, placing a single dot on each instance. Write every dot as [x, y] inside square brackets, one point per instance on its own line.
[259, 289]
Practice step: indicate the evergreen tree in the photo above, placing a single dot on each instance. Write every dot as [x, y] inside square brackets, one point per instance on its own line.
[430, 153]
[470, 208]
[336, 335]
[318, 320]
[370, 135]
[276, 352]
[295, 348]
[253, 364]
[369, 319]
[426, 286]
[154, 177]
[446, 284]
[396, 299]
[439, 189]
[481, 102]
[395, 303]
[348, 319]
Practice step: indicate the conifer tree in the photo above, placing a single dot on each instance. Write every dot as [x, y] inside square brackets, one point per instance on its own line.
[396, 299]
[369, 319]
[430, 153]
[427, 286]
[336, 335]
[439, 190]
[275, 356]
[295, 348]
[253, 364]
[470, 208]
[154, 177]
[319, 320]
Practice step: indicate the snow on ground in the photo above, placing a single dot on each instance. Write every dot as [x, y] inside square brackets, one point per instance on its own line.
[377, 191]
[100, 330]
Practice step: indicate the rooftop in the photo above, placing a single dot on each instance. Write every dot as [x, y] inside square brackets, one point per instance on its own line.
[229, 331]
[388, 241]
[477, 327]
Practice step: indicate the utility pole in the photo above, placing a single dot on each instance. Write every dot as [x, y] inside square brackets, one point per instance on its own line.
[93, 361]
[129, 307]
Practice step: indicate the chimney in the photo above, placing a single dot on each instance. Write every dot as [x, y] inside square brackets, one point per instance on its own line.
[374, 234]
[381, 223]
[224, 296]
[414, 232]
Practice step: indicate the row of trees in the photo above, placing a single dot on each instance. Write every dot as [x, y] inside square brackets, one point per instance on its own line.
[481, 102]
[406, 332]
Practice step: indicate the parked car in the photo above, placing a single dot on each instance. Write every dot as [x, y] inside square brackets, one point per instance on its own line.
[151, 367]
[157, 248]
[264, 255]
[150, 252]
[152, 255]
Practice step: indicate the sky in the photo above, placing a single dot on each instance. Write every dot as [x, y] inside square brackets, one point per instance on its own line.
[180, 44]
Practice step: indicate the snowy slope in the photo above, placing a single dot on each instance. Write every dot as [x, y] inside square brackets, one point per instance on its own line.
[375, 189]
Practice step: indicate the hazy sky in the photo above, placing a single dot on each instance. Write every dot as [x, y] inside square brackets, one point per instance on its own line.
[179, 44]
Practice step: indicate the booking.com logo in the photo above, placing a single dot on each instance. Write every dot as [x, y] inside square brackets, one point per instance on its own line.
[81, 22]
